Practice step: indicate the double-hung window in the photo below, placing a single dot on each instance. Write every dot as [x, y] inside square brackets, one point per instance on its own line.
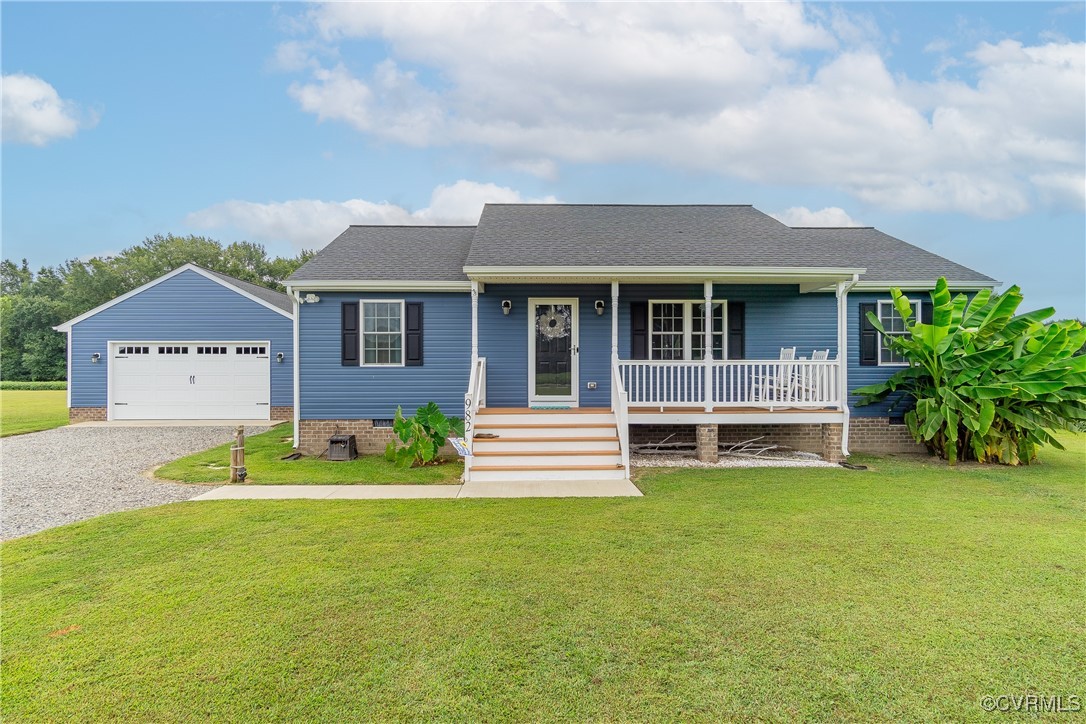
[895, 327]
[382, 332]
[677, 330]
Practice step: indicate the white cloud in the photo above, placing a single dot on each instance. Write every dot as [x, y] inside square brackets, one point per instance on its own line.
[34, 113]
[727, 88]
[311, 223]
[802, 216]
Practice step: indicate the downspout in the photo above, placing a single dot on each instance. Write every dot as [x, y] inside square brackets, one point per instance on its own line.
[842, 355]
[295, 303]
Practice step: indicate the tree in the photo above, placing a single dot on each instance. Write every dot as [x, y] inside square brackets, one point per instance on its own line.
[987, 384]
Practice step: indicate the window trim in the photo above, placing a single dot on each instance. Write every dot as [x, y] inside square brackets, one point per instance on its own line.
[878, 313]
[688, 328]
[362, 332]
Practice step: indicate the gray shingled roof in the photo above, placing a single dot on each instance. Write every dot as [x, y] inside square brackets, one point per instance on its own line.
[392, 253]
[574, 235]
[886, 258]
[279, 299]
[689, 235]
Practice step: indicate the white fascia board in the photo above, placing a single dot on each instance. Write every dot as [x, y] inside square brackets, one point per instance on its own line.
[909, 286]
[629, 274]
[356, 285]
[66, 326]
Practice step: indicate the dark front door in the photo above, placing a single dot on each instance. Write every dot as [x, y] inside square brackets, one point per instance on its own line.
[553, 352]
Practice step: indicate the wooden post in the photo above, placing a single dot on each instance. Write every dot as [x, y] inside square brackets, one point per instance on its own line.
[237, 453]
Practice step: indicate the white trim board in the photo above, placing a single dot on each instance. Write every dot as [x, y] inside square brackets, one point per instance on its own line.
[370, 285]
[67, 326]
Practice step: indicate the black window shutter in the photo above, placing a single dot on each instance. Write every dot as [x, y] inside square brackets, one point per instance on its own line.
[639, 330]
[737, 330]
[413, 329]
[349, 334]
[925, 312]
[869, 336]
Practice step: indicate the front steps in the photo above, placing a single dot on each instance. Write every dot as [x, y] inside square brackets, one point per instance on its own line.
[541, 445]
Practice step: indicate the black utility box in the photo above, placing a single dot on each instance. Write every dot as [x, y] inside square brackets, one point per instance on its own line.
[342, 447]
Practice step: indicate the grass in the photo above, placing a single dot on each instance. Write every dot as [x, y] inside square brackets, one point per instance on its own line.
[32, 410]
[906, 592]
[264, 463]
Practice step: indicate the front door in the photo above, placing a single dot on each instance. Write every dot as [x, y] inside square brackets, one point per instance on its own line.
[552, 353]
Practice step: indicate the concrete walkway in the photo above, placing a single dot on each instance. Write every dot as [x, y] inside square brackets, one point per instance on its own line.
[549, 489]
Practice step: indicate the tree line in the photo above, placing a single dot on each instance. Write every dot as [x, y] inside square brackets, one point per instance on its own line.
[32, 303]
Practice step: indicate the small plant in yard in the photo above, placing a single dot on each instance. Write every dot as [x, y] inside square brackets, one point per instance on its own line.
[987, 384]
[423, 435]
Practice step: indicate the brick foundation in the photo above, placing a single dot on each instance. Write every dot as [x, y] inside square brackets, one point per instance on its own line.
[313, 435]
[876, 435]
[831, 443]
[282, 413]
[86, 414]
[707, 450]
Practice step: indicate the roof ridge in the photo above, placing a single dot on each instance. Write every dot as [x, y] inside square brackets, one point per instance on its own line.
[413, 226]
[544, 204]
[832, 227]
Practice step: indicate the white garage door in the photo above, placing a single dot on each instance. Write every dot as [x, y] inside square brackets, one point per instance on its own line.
[190, 381]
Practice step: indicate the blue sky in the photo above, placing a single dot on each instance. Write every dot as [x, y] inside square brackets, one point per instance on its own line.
[957, 127]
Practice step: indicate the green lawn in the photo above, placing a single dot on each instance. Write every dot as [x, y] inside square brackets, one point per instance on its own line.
[264, 464]
[32, 410]
[906, 592]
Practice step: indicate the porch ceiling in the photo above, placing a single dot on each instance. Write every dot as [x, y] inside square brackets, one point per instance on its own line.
[809, 278]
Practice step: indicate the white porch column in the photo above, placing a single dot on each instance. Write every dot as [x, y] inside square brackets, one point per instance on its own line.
[708, 346]
[614, 321]
[842, 355]
[474, 323]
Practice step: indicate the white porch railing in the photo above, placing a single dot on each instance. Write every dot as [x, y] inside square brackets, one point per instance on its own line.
[474, 398]
[734, 383]
[620, 405]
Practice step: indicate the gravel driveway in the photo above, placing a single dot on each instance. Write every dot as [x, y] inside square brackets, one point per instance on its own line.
[71, 473]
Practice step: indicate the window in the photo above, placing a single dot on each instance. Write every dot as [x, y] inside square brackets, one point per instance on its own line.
[382, 333]
[173, 350]
[133, 350]
[211, 350]
[895, 327]
[250, 350]
[677, 330]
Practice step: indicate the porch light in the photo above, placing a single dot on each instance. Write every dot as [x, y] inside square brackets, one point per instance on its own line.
[507, 307]
[599, 307]
[95, 357]
[311, 298]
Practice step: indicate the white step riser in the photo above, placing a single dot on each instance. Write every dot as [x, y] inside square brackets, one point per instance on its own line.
[527, 418]
[601, 459]
[485, 476]
[549, 431]
[544, 444]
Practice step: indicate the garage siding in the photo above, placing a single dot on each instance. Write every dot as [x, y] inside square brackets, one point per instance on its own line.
[332, 391]
[186, 307]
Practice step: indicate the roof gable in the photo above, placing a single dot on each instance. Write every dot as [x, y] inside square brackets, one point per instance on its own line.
[275, 301]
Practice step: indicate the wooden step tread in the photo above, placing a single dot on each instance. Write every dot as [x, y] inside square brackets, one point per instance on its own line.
[586, 438]
[541, 425]
[616, 466]
[507, 453]
[534, 411]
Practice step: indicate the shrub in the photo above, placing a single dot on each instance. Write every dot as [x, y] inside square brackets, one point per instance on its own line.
[17, 385]
[987, 385]
[423, 435]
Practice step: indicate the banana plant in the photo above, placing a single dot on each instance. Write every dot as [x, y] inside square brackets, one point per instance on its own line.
[986, 384]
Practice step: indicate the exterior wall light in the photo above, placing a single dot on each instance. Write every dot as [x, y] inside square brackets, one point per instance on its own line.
[507, 307]
[311, 298]
[95, 357]
[279, 358]
[599, 307]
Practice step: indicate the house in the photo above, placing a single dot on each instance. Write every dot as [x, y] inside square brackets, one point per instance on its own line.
[192, 344]
[564, 333]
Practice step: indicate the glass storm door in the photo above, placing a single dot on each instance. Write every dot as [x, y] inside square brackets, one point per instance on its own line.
[552, 352]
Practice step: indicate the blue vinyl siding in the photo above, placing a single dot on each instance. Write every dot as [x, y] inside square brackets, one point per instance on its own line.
[330, 390]
[187, 307]
[858, 375]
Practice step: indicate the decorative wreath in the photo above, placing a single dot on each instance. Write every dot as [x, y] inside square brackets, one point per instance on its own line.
[553, 324]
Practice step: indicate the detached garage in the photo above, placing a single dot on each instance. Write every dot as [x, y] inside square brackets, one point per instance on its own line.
[191, 345]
